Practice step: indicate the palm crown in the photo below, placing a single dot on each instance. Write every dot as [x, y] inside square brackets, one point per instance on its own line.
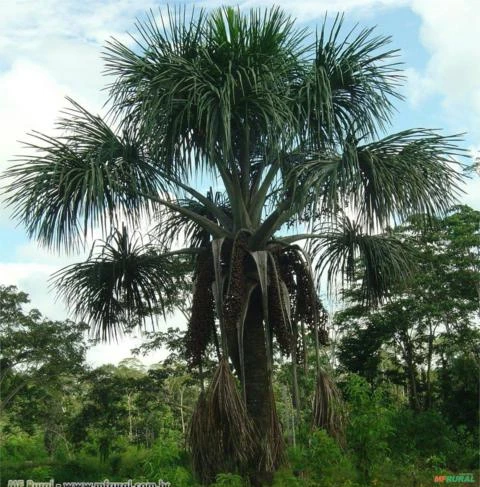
[287, 126]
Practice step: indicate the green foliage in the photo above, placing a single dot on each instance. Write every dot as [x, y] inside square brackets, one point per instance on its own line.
[168, 460]
[317, 461]
[386, 441]
[21, 453]
[34, 350]
[369, 425]
[459, 387]
[431, 440]
[82, 466]
[285, 478]
[120, 284]
[328, 464]
[228, 480]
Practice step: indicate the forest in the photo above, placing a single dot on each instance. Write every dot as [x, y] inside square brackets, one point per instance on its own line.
[243, 174]
[405, 376]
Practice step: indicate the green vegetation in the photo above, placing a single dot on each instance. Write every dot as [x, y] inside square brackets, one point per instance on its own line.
[126, 421]
[285, 123]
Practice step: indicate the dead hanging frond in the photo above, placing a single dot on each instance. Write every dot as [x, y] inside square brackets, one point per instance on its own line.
[197, 435]
[272, 446]
[202, 320]
[328, 407]
[221, 436]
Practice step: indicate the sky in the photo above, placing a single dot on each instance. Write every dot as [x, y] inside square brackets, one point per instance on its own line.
[50, 49]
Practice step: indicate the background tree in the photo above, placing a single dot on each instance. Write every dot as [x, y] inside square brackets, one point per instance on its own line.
[286, 125]
[428, 328]
[34, 349]
[40, 360]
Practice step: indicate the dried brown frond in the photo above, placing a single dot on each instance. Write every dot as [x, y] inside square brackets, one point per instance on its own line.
[272, 452]
[202, 319]
[198, 435]
[222, 436]
[328, 407]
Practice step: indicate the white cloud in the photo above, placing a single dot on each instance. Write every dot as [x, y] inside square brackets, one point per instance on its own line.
[418, 88]
[313, 9]
[472, 193]
[30, 98]
[24, 23]
[112, 353]
[449, 33]
[32, 278]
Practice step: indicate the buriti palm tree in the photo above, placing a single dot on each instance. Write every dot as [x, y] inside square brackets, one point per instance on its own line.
[287, 126]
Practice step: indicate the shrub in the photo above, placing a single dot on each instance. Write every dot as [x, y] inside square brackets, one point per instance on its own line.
[319, 462]
[369, 426]
[228, 480]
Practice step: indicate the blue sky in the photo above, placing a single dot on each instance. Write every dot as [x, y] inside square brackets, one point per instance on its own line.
[52, 48]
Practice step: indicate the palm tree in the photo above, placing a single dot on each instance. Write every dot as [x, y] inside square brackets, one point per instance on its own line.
[288, 127]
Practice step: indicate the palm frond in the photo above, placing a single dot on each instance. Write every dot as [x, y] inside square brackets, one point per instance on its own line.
[352, 81]
[83, 178]
[379, 261]
[174, 225]
[154, 84]
[195, 86]
[414, 171]
[260, 54]
[120, 286]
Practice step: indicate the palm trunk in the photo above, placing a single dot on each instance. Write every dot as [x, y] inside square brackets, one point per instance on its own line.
[431, 337]
[130, 420]
[412, 380]
[259, 395]
[182, 389]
